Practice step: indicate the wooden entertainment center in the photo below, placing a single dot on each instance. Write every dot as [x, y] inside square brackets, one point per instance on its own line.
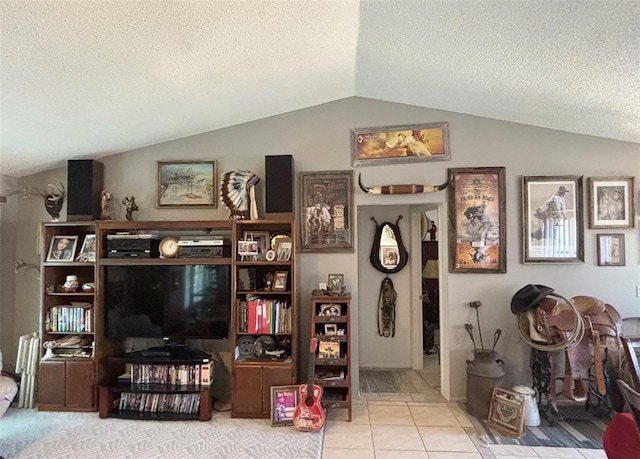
[85, 377]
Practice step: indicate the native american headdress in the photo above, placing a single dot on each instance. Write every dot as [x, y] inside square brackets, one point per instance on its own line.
[237, 192]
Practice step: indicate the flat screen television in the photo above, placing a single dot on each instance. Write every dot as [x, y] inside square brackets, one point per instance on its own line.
[174, 302]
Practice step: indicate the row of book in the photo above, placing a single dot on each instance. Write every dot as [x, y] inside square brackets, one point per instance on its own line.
[69, 319]
[172, 375]
[158, 403]
[264, 316]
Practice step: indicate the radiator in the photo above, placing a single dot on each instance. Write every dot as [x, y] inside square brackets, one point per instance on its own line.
[27, 365]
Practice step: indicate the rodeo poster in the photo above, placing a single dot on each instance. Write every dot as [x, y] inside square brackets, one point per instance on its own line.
[477, 203]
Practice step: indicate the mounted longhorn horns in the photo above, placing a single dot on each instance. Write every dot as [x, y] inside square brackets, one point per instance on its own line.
[403, 189]
[53, 196]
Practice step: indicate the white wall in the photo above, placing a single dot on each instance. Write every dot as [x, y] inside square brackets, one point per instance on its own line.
[319, 139]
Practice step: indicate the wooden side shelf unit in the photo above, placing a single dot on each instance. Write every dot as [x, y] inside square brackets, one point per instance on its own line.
[331, 326]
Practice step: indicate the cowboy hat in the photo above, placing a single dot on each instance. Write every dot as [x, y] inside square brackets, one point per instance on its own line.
[528, 297]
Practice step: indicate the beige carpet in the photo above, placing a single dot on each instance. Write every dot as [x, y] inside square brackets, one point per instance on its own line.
[33, 434]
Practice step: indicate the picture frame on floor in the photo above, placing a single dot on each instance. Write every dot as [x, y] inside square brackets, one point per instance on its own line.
[284, 400]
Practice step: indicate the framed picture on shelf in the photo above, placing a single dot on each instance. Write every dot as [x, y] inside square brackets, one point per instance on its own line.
[335, 283]
[62, 248]
[187, 184]
[280, 280]
[248, 248]
[400, 144]
[611, 251]
[327, 211]
[88, 250]
[553, 223]
[262, 238]
[478, 239]
[284, 400]
[329, 310]
[329, 350]
[284, 247]
[611, 202]
[330, 329]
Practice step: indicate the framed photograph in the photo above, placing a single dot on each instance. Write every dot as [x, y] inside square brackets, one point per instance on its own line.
[611, 251]
[280, 280]
[187, 184]
[611, 202]
[327, 211]
[62, 248]
[553, 222]
[284, 400]
[284, 248]
[330, 329]
[329, 350]
[400, 144]
[335, 283]
[88, 250]
[477, 220]
[329, 310]
[262, 238]
[248, 248]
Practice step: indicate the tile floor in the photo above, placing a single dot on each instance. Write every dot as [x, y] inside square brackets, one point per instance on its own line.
[420, 426]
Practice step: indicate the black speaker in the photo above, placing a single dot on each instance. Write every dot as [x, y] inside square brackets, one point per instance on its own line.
[279, 184]
[85, 182]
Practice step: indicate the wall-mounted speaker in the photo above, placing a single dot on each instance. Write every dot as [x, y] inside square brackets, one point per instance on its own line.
[85, 182]
[279, 184]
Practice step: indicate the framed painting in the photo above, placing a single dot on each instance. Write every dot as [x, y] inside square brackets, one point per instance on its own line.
[62, 248]
[553, 222]
[284, 400]
[327, 211]
[400, 144]
[478, 236]
[187, 184]
[611, 202]
[611, 250]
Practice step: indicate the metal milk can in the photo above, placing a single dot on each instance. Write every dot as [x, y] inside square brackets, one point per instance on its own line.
[484, 373]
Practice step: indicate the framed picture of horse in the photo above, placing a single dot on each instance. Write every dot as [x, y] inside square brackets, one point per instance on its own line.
[327, 211]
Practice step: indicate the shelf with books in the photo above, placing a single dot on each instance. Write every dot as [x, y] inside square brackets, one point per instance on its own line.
[331, 326]
[264, 327]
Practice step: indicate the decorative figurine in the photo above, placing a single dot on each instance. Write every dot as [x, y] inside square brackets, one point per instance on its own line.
[268, 279]
[106, 212]
[432, 231]
[132, 207]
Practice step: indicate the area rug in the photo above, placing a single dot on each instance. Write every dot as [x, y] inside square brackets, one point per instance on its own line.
[577, 429]
[38, 434]
[402, 381]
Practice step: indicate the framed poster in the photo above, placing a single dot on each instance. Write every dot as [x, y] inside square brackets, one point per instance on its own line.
[553, 223]
[327, 211]
[478, 236]
[187, 184]
[611, 202]
[611, 250]
[400, 144]
[284, 400]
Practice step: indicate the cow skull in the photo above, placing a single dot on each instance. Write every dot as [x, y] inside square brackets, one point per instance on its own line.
[53, 196]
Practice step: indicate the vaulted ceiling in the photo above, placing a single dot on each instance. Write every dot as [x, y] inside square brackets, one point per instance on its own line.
[92, 78]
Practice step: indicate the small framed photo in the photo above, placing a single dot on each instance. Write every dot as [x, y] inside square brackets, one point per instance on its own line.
[284, 400]
[62, 248]
[611, 250]
[329, 310]
[88, 250]
[280, 280]
[248, 248]
[611, 202]
[187, 184]
[284, 248]
[330, 329]
[262, 238]
[336, 283]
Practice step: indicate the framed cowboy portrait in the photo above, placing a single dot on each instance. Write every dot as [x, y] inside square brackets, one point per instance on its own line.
[477, 240]
[553, 223]
[400, 144]
[611, 202]
[327, 211]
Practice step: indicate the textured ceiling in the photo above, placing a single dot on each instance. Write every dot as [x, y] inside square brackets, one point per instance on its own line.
[93, 78]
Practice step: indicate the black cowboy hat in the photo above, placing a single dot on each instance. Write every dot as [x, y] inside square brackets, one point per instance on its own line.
[528, 297]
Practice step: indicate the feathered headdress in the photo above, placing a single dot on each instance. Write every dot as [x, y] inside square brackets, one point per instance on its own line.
[237, 193]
